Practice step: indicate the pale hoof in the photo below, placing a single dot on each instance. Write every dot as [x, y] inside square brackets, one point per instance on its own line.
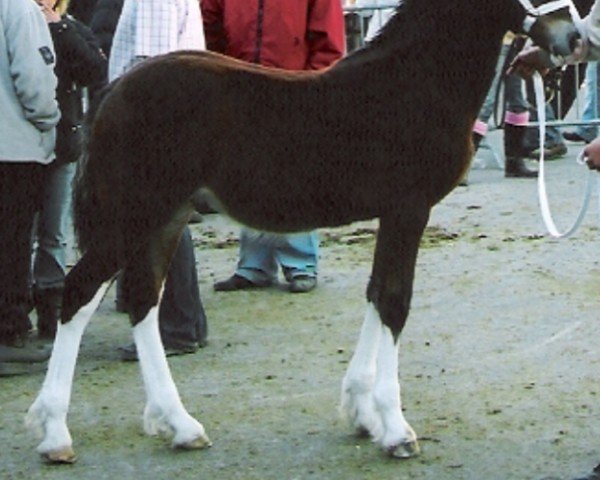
[405, 450]
[66, 455]
[195, 444]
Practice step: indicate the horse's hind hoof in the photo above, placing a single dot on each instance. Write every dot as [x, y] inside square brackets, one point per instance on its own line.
[195, 444]
[405, 450]
[64, 456]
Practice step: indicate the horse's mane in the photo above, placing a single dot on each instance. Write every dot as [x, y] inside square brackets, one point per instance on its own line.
[415, 21]
[398, 12]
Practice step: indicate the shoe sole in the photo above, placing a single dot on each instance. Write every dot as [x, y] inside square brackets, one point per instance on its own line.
[129, 356]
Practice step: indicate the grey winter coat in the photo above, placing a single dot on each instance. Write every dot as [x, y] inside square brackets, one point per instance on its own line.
[28, 108]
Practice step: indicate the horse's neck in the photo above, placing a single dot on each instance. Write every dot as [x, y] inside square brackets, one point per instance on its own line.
[457, 49]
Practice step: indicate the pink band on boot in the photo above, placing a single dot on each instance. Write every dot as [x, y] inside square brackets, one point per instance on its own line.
[480, 128]
[517, 119]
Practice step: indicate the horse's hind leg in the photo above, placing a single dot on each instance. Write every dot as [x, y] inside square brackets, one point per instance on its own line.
[48, 413]
[143, 280]
[370, 390]
[164, 412]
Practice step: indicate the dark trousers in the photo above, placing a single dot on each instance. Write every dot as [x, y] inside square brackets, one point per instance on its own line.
[20, 186]
[181, 316]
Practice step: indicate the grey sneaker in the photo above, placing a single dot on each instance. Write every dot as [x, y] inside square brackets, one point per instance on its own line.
[28, 352]
[23, 359]
[303, 284]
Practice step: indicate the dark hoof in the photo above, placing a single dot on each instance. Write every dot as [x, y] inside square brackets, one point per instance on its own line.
[405, 450]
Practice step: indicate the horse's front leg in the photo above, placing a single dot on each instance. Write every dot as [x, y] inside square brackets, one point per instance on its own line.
[371, 390]
[398, 439]
[357, 387]
[48, 414]
[164, 412]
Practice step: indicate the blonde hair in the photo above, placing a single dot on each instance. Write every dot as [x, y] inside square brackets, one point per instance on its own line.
[61, 6]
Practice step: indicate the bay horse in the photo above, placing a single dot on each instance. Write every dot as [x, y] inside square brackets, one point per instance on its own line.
[385, 133]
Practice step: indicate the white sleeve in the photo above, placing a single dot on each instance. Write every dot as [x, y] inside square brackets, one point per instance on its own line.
[592, 26]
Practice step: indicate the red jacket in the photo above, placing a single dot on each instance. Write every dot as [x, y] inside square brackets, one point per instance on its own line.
[289, 34]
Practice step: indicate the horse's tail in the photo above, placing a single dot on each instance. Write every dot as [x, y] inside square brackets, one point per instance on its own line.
[89, 213]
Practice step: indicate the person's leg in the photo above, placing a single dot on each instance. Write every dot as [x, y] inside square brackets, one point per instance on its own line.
[181, 316]
[515, 121]
[19, 188]
[553, 136]
[481, 124]
[587, 133]
[257, 260]
[554, 146]
[298, 255]
[256, 265]
[49, 266]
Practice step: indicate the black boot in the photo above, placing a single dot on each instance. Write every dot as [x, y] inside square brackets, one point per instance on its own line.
[48, 305]
[514, 166]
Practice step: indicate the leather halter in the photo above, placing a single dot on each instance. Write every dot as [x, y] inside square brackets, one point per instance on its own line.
[533, 13]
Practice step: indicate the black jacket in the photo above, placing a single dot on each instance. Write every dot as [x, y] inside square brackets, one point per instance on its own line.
[82, 10]
[104, 22]
[79, 62]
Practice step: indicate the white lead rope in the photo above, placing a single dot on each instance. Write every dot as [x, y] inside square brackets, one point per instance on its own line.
[542, 195]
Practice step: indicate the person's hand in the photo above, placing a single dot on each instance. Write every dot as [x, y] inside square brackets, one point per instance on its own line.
[529, 61]
[47, 7]
[592, 154]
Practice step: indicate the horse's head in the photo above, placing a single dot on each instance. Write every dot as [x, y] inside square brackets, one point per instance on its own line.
[551, 24]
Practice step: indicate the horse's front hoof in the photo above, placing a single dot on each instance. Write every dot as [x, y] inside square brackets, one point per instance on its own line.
[405, 450]
[65, 455]
[196, 444]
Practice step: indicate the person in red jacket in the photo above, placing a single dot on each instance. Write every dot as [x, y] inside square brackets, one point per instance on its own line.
[292, 35]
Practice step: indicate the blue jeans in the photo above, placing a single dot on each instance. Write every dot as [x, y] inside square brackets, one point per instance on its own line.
[488, 104]
[261, 253]
[50, 232]
[590, 108]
